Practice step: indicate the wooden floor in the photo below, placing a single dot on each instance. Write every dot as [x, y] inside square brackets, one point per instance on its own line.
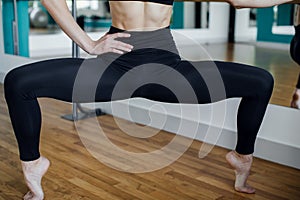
[75, 174]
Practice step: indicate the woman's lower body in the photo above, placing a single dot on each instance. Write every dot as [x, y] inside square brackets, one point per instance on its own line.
[295, 54]
[56, 79]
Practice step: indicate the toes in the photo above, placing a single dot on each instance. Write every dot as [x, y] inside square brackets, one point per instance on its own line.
[245, 189]
[28, 195]
[31, 196]
[37, 198]
[35, 188]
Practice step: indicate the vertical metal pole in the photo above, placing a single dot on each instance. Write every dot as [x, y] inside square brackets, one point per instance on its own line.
[75, 111]
[75, 54]
[16, 30]
[78, 112]
[75, 48]
[231, 31]
[198, 15]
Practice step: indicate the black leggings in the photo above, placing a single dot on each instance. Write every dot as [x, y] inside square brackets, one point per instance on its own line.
[56, 79]
[295, 50]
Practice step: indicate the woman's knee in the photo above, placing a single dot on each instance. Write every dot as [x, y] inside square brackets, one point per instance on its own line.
[14, 82]
[265, 82]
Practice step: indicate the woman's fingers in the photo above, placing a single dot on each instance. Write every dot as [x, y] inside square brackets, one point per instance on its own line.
[116, 51]
[119, 35]
[108, 44]
[121, 46]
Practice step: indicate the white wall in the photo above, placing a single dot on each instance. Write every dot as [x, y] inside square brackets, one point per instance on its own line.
[9, 62]
[243, 31]
[217, 30]
[189, 14]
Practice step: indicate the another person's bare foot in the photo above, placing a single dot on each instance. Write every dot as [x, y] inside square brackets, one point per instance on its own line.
[33, 173]
[241, 165]
[296, 99]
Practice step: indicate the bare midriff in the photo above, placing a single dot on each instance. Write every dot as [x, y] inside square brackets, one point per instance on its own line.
[140, 16]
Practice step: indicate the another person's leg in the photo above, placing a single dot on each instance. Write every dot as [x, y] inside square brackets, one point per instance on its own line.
[295, 54]
[296, 96]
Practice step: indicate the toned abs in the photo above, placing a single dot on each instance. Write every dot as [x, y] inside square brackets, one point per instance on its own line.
[140, 16]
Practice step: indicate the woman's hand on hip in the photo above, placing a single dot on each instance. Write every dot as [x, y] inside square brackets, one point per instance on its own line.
[107, 43]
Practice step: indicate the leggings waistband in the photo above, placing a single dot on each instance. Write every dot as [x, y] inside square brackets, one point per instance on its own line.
[114, 29]
[155, 39]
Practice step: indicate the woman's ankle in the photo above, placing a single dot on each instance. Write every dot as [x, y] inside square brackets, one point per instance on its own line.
[32, 162]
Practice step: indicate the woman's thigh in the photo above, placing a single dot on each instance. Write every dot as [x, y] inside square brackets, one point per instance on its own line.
[68, 79]
[91, 80]
[50, 78]
[206, 82]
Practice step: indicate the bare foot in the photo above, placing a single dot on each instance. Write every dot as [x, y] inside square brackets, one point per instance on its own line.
[28, 196]
[241, 165]
[296, 99]
[33, 172]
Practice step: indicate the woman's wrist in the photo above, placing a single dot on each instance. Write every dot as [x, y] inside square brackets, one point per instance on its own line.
[89, 46]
